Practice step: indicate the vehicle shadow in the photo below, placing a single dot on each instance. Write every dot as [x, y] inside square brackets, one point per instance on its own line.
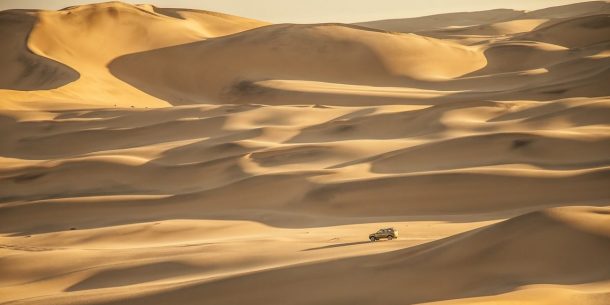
[339, 245]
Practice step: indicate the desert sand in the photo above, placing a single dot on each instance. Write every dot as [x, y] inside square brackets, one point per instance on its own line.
[172, 156]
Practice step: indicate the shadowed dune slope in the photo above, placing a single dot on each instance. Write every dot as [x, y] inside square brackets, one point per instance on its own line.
[22, 69]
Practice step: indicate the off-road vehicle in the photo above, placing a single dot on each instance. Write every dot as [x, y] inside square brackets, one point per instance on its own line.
[388, 233]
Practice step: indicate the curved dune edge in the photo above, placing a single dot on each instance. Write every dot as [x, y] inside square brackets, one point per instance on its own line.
[325, 52]
[24, 69]
[87, 37]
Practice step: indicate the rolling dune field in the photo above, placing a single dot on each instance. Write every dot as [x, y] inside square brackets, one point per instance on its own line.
[173, 156]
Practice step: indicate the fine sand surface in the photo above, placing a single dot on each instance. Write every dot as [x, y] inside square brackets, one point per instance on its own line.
[172, 156]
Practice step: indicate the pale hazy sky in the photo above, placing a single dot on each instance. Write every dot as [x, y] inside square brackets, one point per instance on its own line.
[310, 11]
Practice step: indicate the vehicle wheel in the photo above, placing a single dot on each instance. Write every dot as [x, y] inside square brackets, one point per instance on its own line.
[390, 237]
[372, 238]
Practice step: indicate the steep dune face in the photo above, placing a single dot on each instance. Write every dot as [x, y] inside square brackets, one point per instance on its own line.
[22, 69]
[328, 53]
[483, 139]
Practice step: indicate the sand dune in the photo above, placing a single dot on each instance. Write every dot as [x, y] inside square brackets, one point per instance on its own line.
[23, 70]
[486, 18]
[441, 21]
[482, 27]
[505, 263]
[172, 156]
[573, 33]
[358, 56]
[399, 270]
[86, 38]
[144, 66]
[498, 250]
